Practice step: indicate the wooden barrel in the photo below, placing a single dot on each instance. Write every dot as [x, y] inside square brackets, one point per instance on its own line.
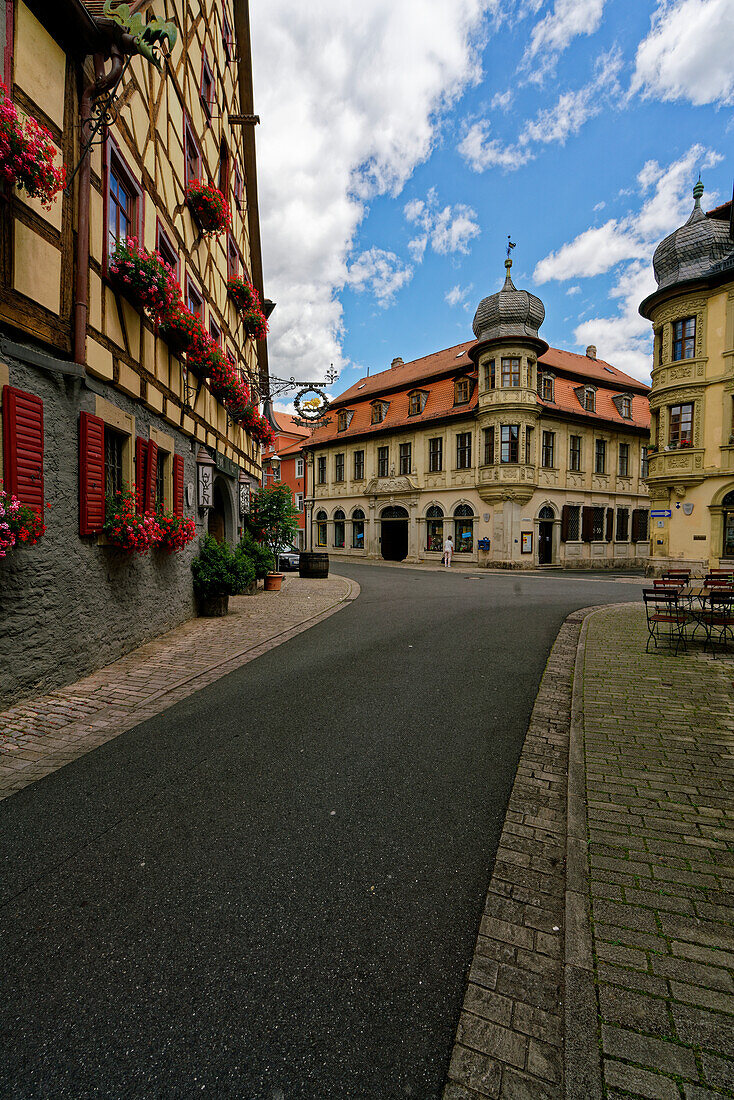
[313, 565]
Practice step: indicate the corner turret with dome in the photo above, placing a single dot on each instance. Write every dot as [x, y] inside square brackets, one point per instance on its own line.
[691, 459]
[702, 248]
[510, 314]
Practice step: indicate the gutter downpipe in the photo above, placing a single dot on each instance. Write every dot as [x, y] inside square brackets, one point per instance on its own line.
[93, 91]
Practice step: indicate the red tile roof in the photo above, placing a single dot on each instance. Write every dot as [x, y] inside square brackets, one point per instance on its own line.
[436, 373]
[286, 423]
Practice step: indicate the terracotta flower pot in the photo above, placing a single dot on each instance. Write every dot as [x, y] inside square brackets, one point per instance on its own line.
[273, 582]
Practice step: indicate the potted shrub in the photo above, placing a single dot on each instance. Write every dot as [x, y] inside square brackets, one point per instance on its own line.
[244, 570]
[215, 577]
[208, 206]
[19, 524]
[27, 154]
[262, 560]
[274, 514]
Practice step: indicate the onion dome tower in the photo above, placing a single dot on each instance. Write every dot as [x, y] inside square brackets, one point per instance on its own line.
[506, 354]
[694, 250]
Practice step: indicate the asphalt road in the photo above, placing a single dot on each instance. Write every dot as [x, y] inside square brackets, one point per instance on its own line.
[272, 890]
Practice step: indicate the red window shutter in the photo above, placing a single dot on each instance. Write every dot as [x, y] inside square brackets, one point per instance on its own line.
[23, 446]
[610, 524]
[565, 519]
[178, 485]
[151, 468]
[141, 452]
[91, 474]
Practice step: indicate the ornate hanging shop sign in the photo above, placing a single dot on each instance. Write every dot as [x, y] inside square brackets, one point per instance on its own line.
[313, 410]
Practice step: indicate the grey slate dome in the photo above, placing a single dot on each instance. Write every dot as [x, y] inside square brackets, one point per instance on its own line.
[510, 312]
[694, 250]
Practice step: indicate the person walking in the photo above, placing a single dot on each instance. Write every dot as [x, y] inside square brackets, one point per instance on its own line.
[448, 551]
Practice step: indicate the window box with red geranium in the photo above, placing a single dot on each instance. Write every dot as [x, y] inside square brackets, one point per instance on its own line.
[184, 331]
[27, 154]
[20, 525]
[208, 206]
[176, 532]
[145, 278]
[247, 303]
[125, 528]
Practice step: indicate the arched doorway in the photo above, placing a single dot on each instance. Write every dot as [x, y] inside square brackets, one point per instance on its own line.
[464, 529]
[216, 523]
[546, 515]
[727, 504]
[394, 533]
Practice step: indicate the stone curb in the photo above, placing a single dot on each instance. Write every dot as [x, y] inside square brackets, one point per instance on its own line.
[528, 1026]
[581, 1050]
[101, 729]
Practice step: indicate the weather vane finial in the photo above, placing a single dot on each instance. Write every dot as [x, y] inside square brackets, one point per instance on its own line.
[510, 246]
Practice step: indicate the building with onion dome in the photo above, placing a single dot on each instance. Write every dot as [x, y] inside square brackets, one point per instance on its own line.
[526, 455]
[691, 463]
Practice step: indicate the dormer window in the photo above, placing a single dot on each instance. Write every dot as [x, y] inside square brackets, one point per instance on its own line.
[344, 419]
[547, 387]
[462, 391]
[587, 398]
[626, 407]
[379, 411]
[417, 402]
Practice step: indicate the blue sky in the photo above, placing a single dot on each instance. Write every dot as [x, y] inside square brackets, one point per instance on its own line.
[396, 156]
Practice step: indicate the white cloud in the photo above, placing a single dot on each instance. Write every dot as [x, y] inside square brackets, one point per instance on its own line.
[380, 272]
[625, 338]
[688, 52]
[553, 124]
[555, 32]
[599, 206]
[481, 152]
[573, 290]
[350, 97]
[458, 295]
[502, 100]
[572, 109]
[447, 230]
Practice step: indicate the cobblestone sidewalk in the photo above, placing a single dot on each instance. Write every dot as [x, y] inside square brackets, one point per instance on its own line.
[42, 734]
[604, 965]
[659, 733]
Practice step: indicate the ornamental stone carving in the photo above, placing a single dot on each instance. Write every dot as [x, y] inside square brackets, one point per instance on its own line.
[385, 486]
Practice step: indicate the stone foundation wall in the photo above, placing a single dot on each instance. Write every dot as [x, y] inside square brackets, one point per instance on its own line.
[69, 605]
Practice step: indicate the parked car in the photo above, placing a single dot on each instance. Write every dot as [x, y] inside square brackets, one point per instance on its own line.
[288, 559]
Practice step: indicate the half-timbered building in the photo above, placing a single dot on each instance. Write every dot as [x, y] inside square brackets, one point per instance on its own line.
[97, 394]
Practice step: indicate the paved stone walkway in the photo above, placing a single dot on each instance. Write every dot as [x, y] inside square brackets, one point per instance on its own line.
[659, 733]
[42, 734]
[604, 965]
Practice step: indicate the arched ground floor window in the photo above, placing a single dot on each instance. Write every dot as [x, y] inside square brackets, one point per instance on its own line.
[727, 549]
[358, 529]
[339, 529]
[464, 528]
[321, 529]
[434, 528]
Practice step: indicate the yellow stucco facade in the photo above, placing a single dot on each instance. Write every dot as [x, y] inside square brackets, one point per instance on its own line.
[691, 464]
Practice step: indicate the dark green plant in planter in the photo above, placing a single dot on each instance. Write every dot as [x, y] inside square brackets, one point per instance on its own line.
[275, 516]
[261, 558]
[245, 575]
[215, 577]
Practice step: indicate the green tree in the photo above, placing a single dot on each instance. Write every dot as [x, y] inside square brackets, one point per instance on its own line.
[275, 517]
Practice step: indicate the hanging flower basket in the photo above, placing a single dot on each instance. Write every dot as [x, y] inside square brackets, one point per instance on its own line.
[20, 525]
[176, 532]
[184, 331]
[247, 303]
[209, 207]
[27, 154]
[145, 278]
[126, 529]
